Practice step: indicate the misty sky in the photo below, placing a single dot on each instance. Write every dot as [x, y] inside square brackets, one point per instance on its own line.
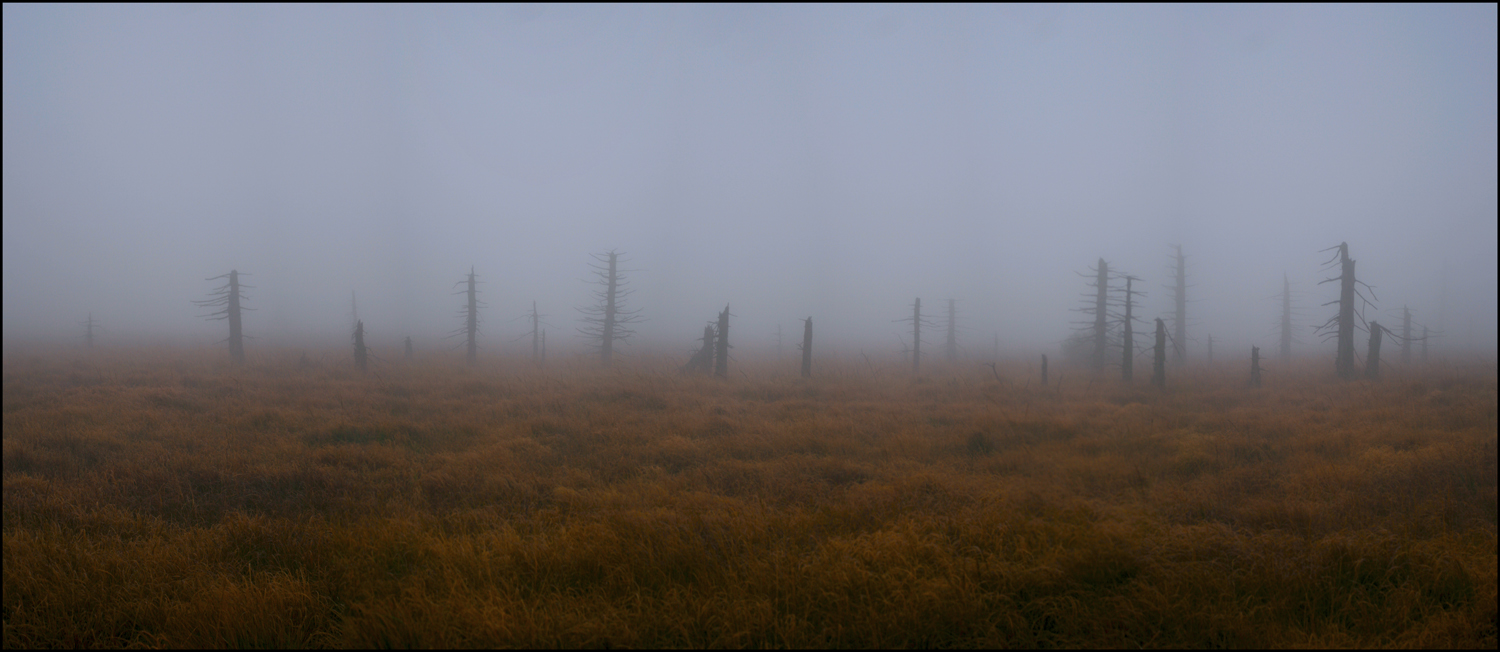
[833, 161]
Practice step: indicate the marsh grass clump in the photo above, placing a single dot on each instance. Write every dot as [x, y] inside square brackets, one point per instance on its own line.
[163, 498]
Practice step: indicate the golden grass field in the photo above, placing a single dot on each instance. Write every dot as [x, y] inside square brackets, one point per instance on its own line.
[159, 497]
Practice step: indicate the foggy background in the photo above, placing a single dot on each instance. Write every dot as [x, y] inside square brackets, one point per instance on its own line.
[832, 161]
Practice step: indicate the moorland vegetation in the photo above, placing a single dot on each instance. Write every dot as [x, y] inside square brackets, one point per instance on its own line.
[166, 498]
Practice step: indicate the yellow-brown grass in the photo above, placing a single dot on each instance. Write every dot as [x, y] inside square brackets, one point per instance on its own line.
[160, 498]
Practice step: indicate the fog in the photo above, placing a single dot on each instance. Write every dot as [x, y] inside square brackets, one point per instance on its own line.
[789, 161]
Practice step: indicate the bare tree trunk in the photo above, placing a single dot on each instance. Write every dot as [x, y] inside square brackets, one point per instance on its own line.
[606, 351]
[1372, 359]
[721, 345]
[807, 347]
[1127, 355]
[1344, 363]
[236, 334]
[1101, 298]
[1286, 318]
[1255, 366]
[88, 332]
[1159, 363]
[473, 321]
[916, 337]
[702, 360]
[361, 355]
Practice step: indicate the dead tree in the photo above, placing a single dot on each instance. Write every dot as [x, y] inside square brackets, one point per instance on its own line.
[607, 321]
[721, 345]
[88, 331]
[229, 296]
[1286, 318]
[916, 335]
[1372, 359]
[1255, 366]
[950, 347]
[1127, 343]
[470, 315]
[1424, 344]
[807, 347]
[538, 335]
[1098, 328]
[1341, 324]
[361, 355]
[702, 360]
[1179, 325]
[1159, 360]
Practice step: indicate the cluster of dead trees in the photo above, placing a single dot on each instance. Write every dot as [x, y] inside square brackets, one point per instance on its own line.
[1108, 334]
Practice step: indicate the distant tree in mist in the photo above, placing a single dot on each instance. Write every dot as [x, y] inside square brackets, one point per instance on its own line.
[1097, 329]
[950, 345]
[469, 313]
[89, 325]
[1127, 341]
[361, 354]
[807, 347]
[1179, 320]
[917, 321]
[228, 298]
[607, 321]
[1159, 357]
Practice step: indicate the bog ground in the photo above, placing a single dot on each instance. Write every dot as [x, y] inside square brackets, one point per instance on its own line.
[161, 497]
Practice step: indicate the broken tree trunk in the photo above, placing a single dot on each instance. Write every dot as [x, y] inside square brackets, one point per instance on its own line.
[1255, 366]
[916, 337]
[702, 360]
[1286, 318]
[1344, 363]
[721, 345]
[1372, 359]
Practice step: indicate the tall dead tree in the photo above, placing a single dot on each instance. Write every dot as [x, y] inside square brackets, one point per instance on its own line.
[607, 321]
[470, 315]
[721, 345]
[1159, 359]
[1372, 358]
[1286, 318]
[228, 298]
[807, 347]
[1179, 325]
[1096, 330]
[1341, 324]
[361, 354]
[1255, 366]
[916, 335]
[1127, 342]
[537, 334]
[950, 346]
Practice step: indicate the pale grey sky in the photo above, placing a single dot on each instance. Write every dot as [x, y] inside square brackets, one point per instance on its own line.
[834, 161]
